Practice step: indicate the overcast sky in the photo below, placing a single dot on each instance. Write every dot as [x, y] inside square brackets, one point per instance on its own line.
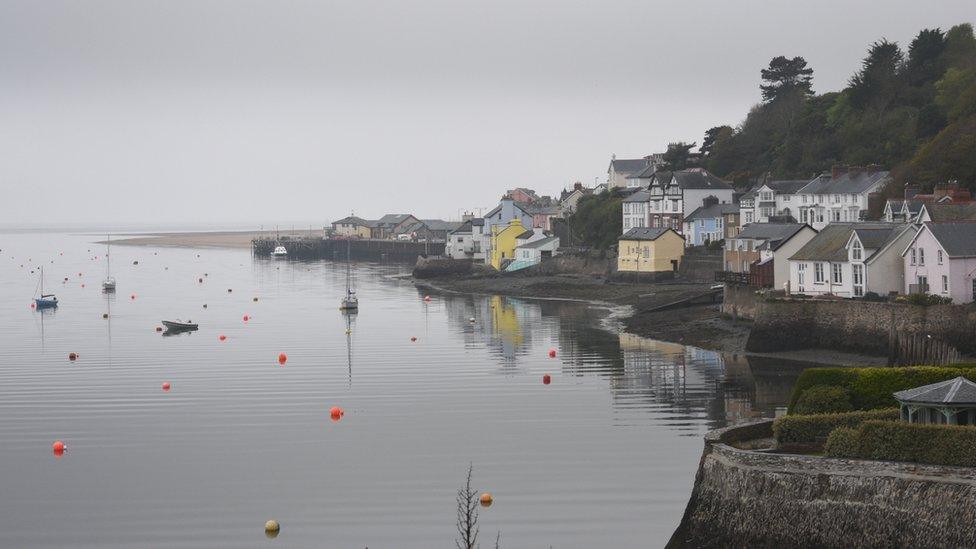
[249, 112]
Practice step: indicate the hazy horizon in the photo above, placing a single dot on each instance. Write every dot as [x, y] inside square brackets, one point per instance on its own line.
[246, 113]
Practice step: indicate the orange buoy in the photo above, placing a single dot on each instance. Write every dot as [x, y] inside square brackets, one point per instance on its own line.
[336, 413]
[72, 356]
[282, 358]
[222, 337]
[159, 328]
[58, 447]
[413, 338]
[552, 353]
[427, 298]
[166, 386]
[82, 284]
[486, 500]
[133, 296]
[246, 318]
[546, 379]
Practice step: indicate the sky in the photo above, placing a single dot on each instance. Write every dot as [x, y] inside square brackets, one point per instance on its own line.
[247, 113]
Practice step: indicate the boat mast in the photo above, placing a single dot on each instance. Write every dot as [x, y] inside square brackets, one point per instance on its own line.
[348, 255]
[108, 260]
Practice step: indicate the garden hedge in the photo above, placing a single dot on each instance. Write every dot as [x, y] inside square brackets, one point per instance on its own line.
[824, 399]
[815, 428]
[871, 388]
[900, 441]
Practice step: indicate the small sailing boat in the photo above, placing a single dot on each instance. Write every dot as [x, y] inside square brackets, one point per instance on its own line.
[350, 302]
[108, 285]
[279, 251]
[45, 301]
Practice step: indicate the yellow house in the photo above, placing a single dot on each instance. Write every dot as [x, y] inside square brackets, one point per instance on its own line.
[352, 226]
[503, 242]
[649, 250]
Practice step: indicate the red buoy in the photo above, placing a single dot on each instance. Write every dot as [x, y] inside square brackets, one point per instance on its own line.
[72, 356]
[546, 379]
[159, 328]
[166, 386]
[282, 358]
[82, 284]
[336, 413]
[246, 318]
[552, 353]
[32, 305]
[58, 447]
[413, 338]
[133, 296]
[222, 337]
[200, 280]
[79, 274]
[427, 298]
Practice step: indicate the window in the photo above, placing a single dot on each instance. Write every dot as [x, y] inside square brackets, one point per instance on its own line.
[835, 215]
[820, 216]
[945, 284]
[818, 273]
[857, 252]
[912, 257]
[835, 274]
[923, 283]
[786, 198]
[804, 199]
[921, 256]
[802, 267]
[938, 255]
[857, 277]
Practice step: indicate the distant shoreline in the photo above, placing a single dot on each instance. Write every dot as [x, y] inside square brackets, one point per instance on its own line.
[204, 239]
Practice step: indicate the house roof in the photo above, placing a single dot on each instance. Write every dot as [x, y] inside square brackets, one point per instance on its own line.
[957, 238]
[440, 224]
[464, 227]
[828, 245]
[390, 220]
[352, 220]
[628, 166]
[541, 242]
[770, 231]
[713, 211]
[951, 212]
[953, 391]
[645, 233]
[646, 173]
[698, 178]
[642, 195]
[529, 233]
[546, 209]
[847, 183]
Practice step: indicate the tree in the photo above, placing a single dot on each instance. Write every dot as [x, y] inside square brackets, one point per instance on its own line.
[951, 155]
[924, 56]
[678, 155]
[714, 135]
[786, 78]
[877, 83]
[467, 515]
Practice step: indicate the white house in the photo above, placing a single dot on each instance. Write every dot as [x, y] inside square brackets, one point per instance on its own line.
[769, 199]
[851, 259]
[532, 252]
[672, 197]
[620, 168]
[941, 260]
[902, 211]
[762, 242]
[940, 211]
[635, 209]
[465, 242]
[840, 197]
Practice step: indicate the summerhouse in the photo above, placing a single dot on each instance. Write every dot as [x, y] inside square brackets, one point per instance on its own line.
[950, 402]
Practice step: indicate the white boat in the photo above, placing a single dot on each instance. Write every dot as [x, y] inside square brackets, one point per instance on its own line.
[350, 302]
[279, 251]
[108, 285]
[46, 301]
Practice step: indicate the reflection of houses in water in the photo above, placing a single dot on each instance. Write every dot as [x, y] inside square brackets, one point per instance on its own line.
[505, 325]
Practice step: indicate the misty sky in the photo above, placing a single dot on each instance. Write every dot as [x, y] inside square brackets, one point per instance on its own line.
[251, 112]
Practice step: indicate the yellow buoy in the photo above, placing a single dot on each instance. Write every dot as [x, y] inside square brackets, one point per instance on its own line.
[271, 528]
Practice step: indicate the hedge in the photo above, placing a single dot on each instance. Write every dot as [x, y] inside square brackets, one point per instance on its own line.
[814, 429]
[900, 441]
[871, 388]
[824, 399]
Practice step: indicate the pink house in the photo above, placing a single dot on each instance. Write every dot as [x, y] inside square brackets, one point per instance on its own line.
[941, 260]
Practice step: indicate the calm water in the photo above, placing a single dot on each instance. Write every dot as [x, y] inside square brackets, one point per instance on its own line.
[604, 456]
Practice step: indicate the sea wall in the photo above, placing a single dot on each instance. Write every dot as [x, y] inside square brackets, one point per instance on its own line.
[434, 267]
[856, 326]
[587, 263]
[698, 264]
[357, 249]
[741, 301]
[746, 498]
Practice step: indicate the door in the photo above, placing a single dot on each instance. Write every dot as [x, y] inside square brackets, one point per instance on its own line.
[923, 284]
[857, 278]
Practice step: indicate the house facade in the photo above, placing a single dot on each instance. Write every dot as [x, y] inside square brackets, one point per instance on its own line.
[352, 227]
[620, 168]
[390, 225]
[569, 199]
[770, 199]
[501, 216]
[756, 242]
[465, 242]
[707, 223]
[941, 260]
[839, 197]
[533, 251]
[650, 250]
[851, 259]
[673, 196]
[503, 240]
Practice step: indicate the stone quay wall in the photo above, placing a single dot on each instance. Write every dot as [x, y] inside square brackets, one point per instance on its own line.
[747, 498]
[855, 325]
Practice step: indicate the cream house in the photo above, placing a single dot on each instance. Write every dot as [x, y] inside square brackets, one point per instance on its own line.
[650, 250]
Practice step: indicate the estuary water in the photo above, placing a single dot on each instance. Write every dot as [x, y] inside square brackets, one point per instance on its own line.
[604, 455]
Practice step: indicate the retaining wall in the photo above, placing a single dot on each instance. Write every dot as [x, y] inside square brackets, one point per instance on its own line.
[745, 498]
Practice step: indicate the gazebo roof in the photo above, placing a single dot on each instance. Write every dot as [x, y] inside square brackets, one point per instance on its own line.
[956, 391]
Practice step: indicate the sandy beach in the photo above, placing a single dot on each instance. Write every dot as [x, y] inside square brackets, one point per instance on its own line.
[207, 239]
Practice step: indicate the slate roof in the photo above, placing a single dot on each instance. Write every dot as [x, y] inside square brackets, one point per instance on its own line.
[951, 212]
[848, 183]
[639, 196]
[957, 238]
[787, 186]
[644, 233]
[391, 220]
[957, 391]
[541, 209]
[646, 173]
[465, 227]
[828, 245]
[700, 179]
[353, 220]
[525, 234]
[776, 233]
[540, 243]
[440, 224]
[713, 211]
[629, 166]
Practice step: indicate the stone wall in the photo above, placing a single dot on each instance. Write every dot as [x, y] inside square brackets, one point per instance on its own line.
[699, 264]
[745, 498]
[741, 301]
[856, 326]
[593, 263]
[433, 267]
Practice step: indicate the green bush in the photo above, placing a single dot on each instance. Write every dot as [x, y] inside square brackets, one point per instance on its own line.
[814, 429]
[871, 388]
[924, 299]
[900, 441]
[824, 399]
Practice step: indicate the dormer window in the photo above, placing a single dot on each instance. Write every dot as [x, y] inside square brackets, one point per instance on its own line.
[857, 252]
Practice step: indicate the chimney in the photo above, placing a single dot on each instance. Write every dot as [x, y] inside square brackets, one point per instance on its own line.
[709, 200]
[837, 170]
[578, 186]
